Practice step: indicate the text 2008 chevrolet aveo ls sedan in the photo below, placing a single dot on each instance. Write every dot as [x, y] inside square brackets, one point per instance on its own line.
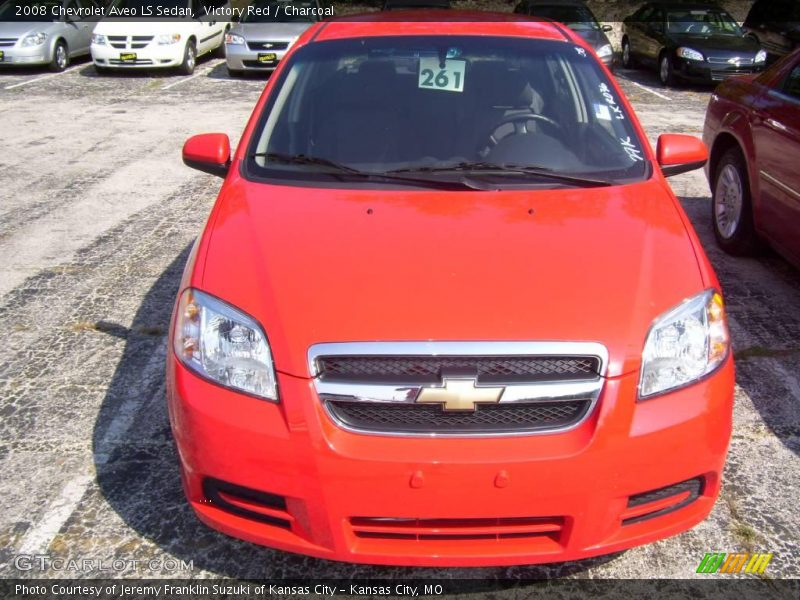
[446, 309]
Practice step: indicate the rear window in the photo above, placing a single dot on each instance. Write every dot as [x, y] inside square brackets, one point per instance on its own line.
[389, 104]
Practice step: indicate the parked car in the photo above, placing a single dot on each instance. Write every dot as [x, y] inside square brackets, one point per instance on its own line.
[266, 31]
[46, 32]
[168, 34]
[446, 309]
[415, 4]
[696, 42]
[775, 24]
[753, 128]
[578, 17]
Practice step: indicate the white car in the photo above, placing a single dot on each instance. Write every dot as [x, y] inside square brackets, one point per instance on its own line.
[160, 39]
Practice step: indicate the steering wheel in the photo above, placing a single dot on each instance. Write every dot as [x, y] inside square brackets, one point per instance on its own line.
[520, 128]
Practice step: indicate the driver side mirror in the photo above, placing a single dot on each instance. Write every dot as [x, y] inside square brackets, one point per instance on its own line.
[208, 152]
[680, 153]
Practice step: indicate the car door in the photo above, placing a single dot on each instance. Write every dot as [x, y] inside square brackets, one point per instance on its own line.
[85, 24]
[776, 133]
[654, 35]
[634, 29]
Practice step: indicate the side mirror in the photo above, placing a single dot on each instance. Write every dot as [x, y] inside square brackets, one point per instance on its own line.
[680, 153]
[607, 28]
[208, 152]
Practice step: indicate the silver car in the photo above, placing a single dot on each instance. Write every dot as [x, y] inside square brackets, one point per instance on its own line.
[266, 30]
[46, 32]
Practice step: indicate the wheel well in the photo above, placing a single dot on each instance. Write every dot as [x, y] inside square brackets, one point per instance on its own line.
[193, 40]
[61, 40]
[722, 144]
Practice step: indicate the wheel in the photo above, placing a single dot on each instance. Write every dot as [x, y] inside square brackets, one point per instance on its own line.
[219, 51]
[520, 128]
[627, 58]
[189, 58]
[666, 71]
[60, 57]
[731, 206]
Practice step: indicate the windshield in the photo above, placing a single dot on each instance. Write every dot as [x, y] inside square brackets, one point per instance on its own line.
[574, 17]
[426, 104]
[269, 11]
[30, 10]
[702, 22]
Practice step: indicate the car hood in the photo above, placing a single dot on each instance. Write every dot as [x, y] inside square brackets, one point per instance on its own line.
[324, 265]
[271, 31]
[18, 29]
[723, 44]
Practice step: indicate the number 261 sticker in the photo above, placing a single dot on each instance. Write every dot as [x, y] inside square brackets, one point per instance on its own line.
[433, 77]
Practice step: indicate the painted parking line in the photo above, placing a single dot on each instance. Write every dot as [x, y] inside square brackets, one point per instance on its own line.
[647, 89]
[185, 79]
[64, 72]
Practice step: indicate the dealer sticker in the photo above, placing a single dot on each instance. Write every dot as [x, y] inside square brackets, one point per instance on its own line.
[448, 79]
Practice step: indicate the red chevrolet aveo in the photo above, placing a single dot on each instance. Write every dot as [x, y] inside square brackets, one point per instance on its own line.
[446, 309]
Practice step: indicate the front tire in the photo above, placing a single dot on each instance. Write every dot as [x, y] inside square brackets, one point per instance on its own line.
[731, 206]
[60, 58]
[666, 70]
[189, 58]
[627, 57]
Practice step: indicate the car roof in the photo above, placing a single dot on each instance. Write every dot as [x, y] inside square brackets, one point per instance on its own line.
[425, 22]
[672, 5]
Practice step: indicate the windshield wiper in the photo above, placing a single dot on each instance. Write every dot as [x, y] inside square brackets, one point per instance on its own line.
[345, 171]
[488, 168]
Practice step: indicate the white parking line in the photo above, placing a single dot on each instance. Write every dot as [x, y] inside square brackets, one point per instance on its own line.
[185, 79]
[647, 89]
[38, 539]
[64, 72]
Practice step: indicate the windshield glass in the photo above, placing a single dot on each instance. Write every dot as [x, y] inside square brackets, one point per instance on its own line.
[702, 22]
[30, 10]
[574, 17]
[393, 104]
[269, 11]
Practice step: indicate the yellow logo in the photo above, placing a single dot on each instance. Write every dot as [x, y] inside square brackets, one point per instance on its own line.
[737, 562]
[460, 394]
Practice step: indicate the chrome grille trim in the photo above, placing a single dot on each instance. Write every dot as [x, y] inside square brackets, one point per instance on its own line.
[360, 391]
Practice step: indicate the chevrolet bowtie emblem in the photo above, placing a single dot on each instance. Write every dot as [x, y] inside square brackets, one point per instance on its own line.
[460, 394]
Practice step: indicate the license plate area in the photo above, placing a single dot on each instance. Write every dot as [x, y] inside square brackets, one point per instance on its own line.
[267, 57]
[127, 57]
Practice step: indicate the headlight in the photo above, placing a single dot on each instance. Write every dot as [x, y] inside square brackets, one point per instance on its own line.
[761, 56]
[232, 38]
[689, 53]
[98, 39]
[223, 344]
[169, 38]
[34, 39]
[684, 344]
[605, 50]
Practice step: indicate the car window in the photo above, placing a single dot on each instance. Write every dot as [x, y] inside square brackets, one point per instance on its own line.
[400, 103]
[290, 11]
[702, 22]
[791, 86]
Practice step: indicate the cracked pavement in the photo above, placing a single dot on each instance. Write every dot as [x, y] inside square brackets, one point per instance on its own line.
[97, 214]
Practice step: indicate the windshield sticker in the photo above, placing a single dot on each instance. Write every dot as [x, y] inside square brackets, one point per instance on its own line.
[631, 150]
[448, 79]
[612, 104]
[580, 51]
[601, 112]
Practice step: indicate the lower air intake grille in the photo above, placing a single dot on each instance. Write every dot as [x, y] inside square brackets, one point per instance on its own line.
[456, 529]
[658, 501]
[490, 418]
[248, 503]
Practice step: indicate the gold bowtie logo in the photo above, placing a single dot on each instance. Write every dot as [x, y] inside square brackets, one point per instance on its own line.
[460, 394]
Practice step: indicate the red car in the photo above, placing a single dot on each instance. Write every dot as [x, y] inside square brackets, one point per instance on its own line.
[753, 129]
[446, 309]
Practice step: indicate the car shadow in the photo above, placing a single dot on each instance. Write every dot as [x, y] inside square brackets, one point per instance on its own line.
[39, 70]
[220, 71]
[143, 73]
[649, 78]
[138, 476]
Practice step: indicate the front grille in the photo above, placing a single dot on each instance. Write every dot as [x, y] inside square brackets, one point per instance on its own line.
[430, 369]
[661, 501]
[427, 418]
[256, 505]
[456, 529]
[6, 42]
[724, 61]
[267, 46]
[254, 64]
[720, 75]
[140, 41]
[114, 61]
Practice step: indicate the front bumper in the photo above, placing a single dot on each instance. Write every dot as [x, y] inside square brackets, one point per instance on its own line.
[29, 55]
[705, 72]
[152, 56]
[463, 501]
[240, 58]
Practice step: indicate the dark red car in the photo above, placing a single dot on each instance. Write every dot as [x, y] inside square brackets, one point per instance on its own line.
[753, 129]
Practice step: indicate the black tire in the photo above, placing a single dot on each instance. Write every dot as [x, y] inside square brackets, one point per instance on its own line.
[731, 206]
[189, 58]
[666, 70]
[60, 59]
[627, 57]
[235, 72]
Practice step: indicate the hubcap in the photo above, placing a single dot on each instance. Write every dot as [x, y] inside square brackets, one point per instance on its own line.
[61, 57]
[626, 54]
[664, 69]
[728, 201]
[190, 57]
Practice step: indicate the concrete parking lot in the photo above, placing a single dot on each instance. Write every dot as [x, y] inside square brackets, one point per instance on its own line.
[97, 214]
